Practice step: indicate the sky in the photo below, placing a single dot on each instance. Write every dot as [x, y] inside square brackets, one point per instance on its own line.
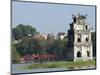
[49, 18]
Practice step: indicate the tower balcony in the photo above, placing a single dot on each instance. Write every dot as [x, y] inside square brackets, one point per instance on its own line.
[82, 31]
[82, 43]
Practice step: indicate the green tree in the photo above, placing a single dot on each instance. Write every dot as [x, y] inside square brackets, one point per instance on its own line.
[58, 47]
[23, 31]
[93, 37]
[40, 45]
[15, 55]
[26, 46]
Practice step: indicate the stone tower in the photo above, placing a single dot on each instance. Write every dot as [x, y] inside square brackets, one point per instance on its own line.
[79, 40]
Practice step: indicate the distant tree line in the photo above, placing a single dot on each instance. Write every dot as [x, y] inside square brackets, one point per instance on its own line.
[28, 44]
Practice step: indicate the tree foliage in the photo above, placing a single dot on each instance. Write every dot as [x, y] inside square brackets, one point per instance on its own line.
[23, 31]
[93, 37]
[58, 47]
[15, 55]
[36, 45]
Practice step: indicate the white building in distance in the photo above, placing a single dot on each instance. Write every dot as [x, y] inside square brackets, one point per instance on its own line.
[61, 35]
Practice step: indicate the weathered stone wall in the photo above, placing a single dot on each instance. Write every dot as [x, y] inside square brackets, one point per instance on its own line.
[80, 44]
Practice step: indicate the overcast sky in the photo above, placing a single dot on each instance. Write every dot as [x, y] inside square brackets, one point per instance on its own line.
[49, 18]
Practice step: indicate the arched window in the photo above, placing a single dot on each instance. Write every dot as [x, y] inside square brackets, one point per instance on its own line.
[78, 54]
[86, 27]
[78, 40]
[87, 39]
[88, 54]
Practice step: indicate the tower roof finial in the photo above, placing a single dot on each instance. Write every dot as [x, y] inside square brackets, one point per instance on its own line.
[78, 17]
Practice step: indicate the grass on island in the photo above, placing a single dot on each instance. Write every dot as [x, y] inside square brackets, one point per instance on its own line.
[61, 64]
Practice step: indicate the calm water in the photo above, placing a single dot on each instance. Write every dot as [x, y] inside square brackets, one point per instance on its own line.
[16, 68]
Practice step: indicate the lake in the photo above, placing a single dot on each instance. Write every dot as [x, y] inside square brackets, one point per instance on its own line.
[16, 68]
